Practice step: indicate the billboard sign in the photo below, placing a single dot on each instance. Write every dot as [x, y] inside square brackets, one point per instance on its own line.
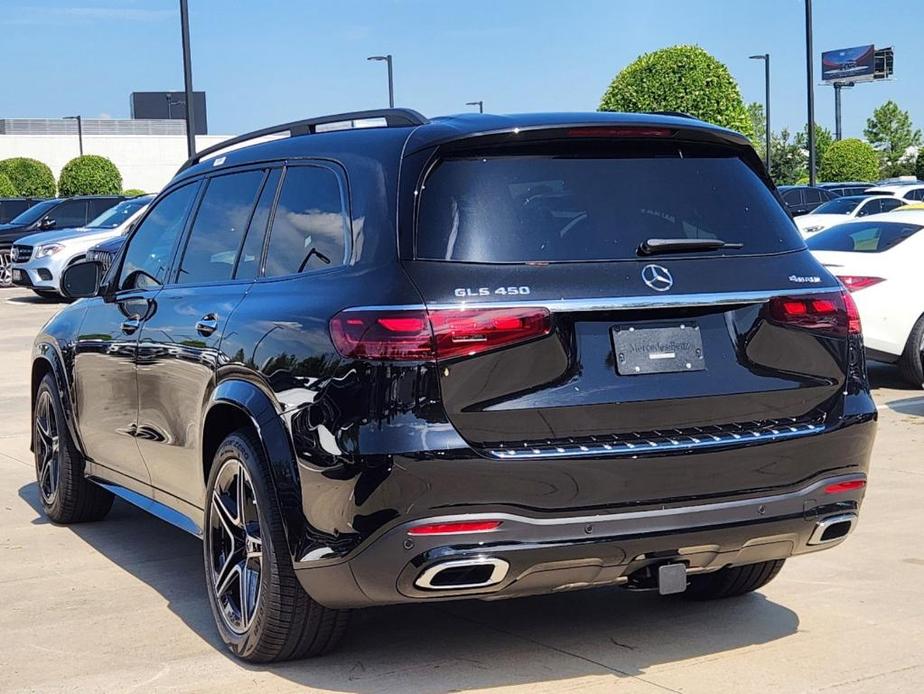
[857, 64]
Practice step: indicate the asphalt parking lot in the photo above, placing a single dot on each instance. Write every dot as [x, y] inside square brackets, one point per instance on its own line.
[120, 606]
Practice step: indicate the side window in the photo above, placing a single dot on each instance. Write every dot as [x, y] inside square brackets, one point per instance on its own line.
[812, 196]
[97, 207]
[889, 205]
[70, 214]
[310, 225]
[147, 256]
[248, 266]
[917, 194]
[869, 207]
[792, 197]
[218, 229]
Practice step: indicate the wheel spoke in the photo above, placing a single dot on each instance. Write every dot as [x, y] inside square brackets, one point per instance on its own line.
[228, 519]
[241, 496]
[254, 548]
[227, 580]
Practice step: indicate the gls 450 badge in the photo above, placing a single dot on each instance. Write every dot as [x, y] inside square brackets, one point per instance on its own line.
[487, 291]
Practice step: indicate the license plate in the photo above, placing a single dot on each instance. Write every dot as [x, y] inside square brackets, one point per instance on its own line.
[665, 349]
[17, 275]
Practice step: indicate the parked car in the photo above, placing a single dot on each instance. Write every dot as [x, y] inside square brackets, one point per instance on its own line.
[879, 260]
[803, 199]
[39, 259]
[470, 357]
[56, 213]
[841, 209]
[105, 252]
[13, 207]
[845, 188]
[909, 192]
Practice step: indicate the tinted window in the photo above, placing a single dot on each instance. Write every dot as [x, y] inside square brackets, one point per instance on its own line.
[217, 232]
[792, 197]
[888, 205]
[147, 257]
[916, 194]
[248, 266]
[812, 196]
[309, 225]
[114, 216]
[838, 206]
[548, 208]
[862, 237]
[72, 213]
[34, 213]
[98, 206]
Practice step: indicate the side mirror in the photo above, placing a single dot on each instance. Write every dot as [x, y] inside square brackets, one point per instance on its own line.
[47, 223]
[82, 279]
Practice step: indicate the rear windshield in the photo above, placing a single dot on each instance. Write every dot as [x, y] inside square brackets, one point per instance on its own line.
[862, 237]
[550, 208]
[838, 206]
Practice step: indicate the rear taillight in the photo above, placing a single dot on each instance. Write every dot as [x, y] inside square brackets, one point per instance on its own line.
[624, 131]
[855, 283]
[422, 335]
[834, 313]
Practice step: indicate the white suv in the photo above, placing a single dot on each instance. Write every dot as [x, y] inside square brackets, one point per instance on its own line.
[39, 259]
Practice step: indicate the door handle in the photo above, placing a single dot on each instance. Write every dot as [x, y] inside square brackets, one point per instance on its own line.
[207, 324]
[130, 325]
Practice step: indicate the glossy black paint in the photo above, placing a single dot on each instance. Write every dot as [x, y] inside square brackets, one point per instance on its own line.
[356, 449]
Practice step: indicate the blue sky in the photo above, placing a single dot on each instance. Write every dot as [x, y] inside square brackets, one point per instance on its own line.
[268, 61]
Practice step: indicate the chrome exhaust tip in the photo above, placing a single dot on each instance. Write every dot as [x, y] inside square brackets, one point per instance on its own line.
[459, 574]
[833, 529]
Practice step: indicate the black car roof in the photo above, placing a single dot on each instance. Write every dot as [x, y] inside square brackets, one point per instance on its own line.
[413, 135]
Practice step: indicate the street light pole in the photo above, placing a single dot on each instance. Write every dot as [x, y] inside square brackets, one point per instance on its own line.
[479, 104]
[391, 77]
[187, 79]
[79, 120]
[766, 58]
[810, 79]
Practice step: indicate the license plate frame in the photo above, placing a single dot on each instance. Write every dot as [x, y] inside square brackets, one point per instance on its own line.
[16, 274]
[668, 348]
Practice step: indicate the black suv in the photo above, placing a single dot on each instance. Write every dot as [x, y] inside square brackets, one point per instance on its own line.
[397, 360]
[56, 213]
[804, 199]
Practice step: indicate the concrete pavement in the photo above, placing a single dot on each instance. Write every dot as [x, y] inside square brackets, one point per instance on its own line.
[120, 606]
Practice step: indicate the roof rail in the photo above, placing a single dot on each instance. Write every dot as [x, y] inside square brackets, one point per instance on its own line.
[393, 117]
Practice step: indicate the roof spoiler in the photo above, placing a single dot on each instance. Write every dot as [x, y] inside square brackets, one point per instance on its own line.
[393, 117]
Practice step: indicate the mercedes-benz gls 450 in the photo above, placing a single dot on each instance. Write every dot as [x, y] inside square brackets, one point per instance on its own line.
[389, 359]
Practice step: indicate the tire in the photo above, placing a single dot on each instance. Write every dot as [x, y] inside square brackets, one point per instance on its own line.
[911, 363]
[6, 268]
[732, 581]
[247, 551]
[67, 496]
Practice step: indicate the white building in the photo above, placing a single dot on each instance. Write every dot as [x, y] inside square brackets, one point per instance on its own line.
[147, 152]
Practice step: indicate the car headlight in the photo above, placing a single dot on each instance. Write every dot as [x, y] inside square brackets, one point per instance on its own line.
[813, 229]
[47, 249]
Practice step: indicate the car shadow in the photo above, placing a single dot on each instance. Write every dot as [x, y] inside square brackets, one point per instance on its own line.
[887, 376]
[456, 645]
[36, 299]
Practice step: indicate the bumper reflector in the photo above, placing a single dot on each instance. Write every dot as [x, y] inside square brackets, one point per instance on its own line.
[455, 528]
[849, 486]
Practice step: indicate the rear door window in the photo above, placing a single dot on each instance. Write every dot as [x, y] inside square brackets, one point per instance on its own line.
[310, 226]
[560, 207]
[218, 230]
[862, 237]
[792, 197]
[248, 265]
[887, 205]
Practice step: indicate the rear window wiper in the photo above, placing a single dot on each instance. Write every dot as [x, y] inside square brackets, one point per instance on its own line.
[657, 246]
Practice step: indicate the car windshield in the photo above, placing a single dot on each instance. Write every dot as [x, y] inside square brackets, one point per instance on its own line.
[34, 213]
[838, 206]
[862, 237]
[569, 205]
[115, 216]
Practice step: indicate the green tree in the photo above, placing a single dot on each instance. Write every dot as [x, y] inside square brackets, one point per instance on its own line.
[89, 174]
[133, 192]
[680, 78]
[849, 160]
[891, 132]
[758, 120]
[919, 164]
[30, 177]
[787, 159]
[7, 189]
[823, 140]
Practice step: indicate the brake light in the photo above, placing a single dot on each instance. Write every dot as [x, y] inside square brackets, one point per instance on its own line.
[455, 528]
[840, 487]
[620, 132]
[834, 313]
[421, 335]
[855, 283]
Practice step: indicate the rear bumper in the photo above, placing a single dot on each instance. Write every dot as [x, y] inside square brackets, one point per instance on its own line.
[529, 555]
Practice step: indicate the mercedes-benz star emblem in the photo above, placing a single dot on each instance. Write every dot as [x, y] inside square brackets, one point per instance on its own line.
[657, 277]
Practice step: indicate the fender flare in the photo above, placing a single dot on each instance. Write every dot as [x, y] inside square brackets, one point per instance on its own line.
[48, 352]
[251, 401]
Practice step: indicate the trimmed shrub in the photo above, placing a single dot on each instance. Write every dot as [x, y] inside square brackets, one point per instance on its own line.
[849, 160]
[30, 177]
[680, 78]
[133, 192]
[7, 189]
[90, 174]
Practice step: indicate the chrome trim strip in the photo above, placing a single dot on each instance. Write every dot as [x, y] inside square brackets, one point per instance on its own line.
[822, 526]
[616, 303]
[681, 442]
[425, 580]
